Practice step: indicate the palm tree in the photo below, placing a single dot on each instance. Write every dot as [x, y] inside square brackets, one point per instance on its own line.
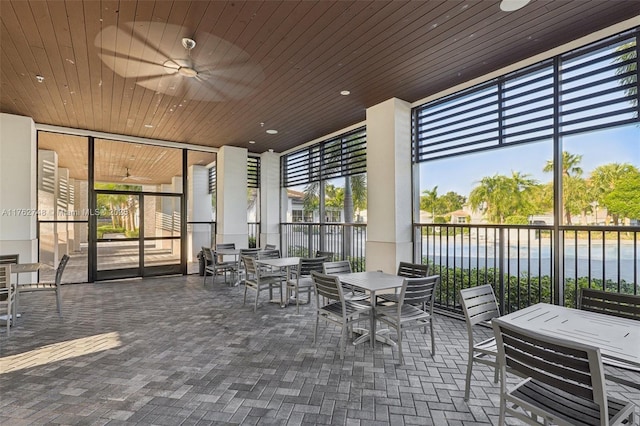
[570, 169]
[492, 195]
[430, 198]
[502, 196]
[604, 180]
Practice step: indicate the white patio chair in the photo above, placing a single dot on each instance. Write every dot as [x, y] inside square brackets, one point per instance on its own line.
[479, 305]
[414, 309]
[564, 382]
[332, 307]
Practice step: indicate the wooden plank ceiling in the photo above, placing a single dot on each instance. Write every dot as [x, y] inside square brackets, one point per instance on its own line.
[112, 66]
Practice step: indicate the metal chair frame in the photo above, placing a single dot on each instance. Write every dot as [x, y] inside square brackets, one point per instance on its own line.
[479, 305]
[334, 308]
[564, 382]
[414, 309]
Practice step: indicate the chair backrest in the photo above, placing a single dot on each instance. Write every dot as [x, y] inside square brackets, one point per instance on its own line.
[253, 252]
[250, 265]
[610, 303]
[208, 255]
[412, 270]
[479, 304]
[60, 268]
[5, 280]
[307, 265]
[328, 255]
[418, 291]
[339, 267]
[226, 246]
[269, 246]
[269, 254]
[8, 259]
[328, 287]
[563, 364]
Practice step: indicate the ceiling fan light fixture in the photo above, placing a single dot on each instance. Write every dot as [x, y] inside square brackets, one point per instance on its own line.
[512, 5]
[188, 43]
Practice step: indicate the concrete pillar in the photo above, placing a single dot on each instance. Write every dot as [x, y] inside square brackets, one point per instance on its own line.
[389, 236]
[18, 209]
[232, 196]
[270, 199]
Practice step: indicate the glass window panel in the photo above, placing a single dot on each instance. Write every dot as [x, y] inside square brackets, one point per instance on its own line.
[137, 167]
[62, 177]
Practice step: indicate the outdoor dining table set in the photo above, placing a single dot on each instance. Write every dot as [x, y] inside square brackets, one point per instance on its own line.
[564, 355]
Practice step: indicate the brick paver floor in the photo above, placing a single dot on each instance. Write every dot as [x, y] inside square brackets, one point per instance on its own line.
[168, 351]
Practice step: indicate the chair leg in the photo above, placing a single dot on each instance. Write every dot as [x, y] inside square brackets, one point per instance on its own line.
[244, 301]
[343, 339]
[502, 410]
[467, 385]
[59, 302]
[399, 332]
[433, 340]
[255, 305]
[315, 332]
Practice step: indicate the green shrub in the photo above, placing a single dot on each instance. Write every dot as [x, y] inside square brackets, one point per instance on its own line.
[516, 220]
[132, 234]
[108, 229]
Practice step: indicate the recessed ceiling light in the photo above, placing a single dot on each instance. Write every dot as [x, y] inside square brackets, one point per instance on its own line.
[345, 93]
[252, 142]
[511, 5]
[148, 126]
[272, 131]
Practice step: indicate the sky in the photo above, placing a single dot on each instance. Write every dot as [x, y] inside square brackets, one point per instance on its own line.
[461, 173]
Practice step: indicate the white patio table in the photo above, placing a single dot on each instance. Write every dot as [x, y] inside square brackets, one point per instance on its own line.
[22, 268]
[281, 262]
[372, 281]
[618, 338]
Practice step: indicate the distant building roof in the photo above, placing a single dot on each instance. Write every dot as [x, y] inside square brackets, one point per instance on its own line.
[295, 194]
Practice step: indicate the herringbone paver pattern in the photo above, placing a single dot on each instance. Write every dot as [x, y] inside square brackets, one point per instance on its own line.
[168, 351]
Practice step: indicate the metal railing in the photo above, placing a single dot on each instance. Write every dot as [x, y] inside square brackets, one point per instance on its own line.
[522, 264]
[345, 241]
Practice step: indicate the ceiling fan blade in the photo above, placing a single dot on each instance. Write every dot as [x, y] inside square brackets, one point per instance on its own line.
[130, 68]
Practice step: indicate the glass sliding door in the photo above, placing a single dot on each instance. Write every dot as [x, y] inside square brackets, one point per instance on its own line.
[161, 236]
[117, 239]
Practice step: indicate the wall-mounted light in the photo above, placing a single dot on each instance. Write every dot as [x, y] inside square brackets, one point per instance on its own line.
[39, 78]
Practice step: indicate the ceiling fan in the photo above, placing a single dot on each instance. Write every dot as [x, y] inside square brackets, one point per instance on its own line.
[162, 58]
[129, 176]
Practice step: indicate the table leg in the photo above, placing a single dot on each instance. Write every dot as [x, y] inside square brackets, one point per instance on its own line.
[373, 334]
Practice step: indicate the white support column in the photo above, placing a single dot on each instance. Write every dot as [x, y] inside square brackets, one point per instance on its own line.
[18, 207]
[270, 199]
[389, 236]
[232, 196]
